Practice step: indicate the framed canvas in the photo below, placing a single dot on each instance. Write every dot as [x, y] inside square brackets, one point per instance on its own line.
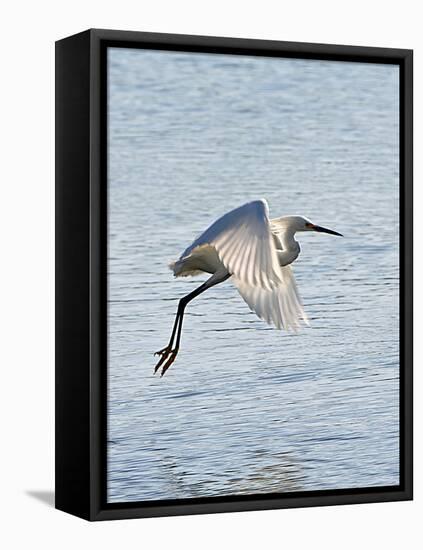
[275, 180]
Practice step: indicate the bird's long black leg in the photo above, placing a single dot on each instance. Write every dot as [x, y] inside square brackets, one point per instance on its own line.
[165, 352]
[172, 337]
[168, 355]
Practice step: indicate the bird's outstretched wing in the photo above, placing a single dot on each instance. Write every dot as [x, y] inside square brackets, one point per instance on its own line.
[244, 244]
[280, 305]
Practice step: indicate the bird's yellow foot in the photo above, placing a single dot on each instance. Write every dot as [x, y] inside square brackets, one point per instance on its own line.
[168, 356]
[163, 351]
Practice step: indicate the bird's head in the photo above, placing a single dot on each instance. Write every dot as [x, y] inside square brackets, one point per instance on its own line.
[298, 223]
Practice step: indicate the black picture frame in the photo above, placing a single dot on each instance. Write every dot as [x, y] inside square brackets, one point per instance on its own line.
[81, 291]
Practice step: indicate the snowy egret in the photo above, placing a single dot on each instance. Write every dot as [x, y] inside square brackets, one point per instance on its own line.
[256, 252]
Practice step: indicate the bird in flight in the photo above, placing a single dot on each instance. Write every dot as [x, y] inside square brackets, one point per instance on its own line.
[256, 252]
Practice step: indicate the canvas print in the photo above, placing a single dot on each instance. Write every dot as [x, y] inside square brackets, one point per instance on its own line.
[253, 275]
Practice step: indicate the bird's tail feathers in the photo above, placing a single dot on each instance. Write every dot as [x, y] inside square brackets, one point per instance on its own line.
[179, 269]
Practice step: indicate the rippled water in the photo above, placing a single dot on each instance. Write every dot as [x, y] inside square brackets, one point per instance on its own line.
[246, 408]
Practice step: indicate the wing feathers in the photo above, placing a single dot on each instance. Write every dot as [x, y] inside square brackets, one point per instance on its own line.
[244, 243]
[280, 305]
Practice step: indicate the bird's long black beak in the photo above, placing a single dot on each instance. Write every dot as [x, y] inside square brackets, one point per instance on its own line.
[324, 230]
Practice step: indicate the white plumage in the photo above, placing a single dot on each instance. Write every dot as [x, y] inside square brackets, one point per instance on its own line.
[280, 305]
[244, 245]
[256, 253]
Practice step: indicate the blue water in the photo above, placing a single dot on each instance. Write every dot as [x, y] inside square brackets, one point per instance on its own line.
[246, 408]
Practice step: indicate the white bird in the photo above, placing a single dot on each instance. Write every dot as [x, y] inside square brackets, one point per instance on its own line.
[256, 252]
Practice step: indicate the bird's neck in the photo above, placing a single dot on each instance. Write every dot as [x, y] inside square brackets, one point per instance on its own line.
[285, 232]
[288, 241]
[290, 248]
[286, 236]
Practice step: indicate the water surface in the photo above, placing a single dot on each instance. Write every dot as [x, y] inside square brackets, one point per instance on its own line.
[246, 408]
